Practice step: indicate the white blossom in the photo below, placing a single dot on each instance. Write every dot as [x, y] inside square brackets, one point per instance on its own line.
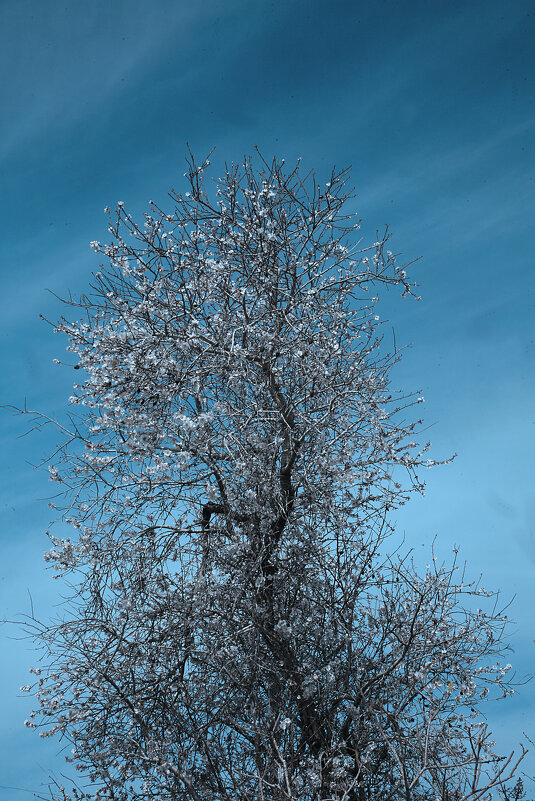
[243, 622]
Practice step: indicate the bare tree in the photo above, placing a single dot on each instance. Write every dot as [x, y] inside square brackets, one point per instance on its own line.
[239, 628]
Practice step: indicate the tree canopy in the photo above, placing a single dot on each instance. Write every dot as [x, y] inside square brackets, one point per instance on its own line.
[243, 622]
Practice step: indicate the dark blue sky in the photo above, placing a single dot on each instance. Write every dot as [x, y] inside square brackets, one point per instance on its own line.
[433, 106]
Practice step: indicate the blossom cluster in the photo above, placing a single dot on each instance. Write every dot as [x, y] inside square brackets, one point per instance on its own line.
[234, 456]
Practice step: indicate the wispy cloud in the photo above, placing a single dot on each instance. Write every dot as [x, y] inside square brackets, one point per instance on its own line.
[74, 66]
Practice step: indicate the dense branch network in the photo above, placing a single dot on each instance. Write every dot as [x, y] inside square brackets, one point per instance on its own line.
[234, 453]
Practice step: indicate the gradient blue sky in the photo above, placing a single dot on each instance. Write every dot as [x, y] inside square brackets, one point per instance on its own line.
[433, 105]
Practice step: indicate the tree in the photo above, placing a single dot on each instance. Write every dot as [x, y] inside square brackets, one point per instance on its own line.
[237, 628]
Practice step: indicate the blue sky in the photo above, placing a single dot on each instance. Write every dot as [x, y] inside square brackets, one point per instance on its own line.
[433, 106]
